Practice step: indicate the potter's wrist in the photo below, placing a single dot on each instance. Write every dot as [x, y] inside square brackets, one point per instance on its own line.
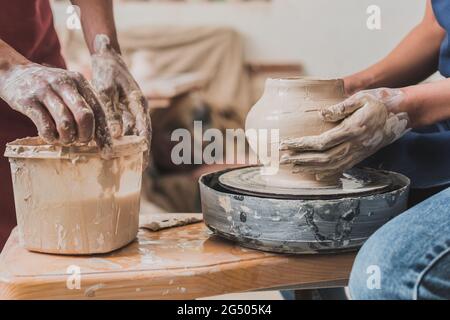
[350, 85]
[396, 100]
[9, 69]
[105, 43]
[107, 53]
[115, 47]
[410, 98]
[9, 62]
[356, 83]
[410, 103]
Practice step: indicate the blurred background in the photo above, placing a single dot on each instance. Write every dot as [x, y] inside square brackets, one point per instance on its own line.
[208, 60]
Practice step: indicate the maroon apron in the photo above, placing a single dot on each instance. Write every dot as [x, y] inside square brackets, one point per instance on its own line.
[27, 26]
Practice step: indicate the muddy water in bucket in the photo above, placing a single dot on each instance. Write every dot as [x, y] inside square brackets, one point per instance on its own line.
[71, 201]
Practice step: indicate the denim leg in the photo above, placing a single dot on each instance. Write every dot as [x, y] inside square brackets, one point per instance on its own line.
[409, 257]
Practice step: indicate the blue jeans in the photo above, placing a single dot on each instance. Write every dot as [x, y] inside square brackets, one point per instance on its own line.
[409, 257]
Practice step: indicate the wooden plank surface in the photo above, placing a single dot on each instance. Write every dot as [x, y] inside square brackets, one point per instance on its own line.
[179, 263]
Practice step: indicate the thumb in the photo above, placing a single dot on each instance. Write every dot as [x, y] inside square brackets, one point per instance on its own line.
[341, 110]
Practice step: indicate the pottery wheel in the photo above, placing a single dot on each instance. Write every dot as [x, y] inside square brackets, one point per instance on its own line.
[307, 224]
[249, 181]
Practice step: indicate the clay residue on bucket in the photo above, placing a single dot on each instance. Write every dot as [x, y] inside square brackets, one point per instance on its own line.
[71, 201]
[35, 147]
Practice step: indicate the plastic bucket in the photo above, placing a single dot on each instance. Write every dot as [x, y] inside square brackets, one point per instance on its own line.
[71, 201]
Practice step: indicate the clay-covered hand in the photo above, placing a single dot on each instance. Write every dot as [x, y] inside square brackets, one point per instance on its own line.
[368, 124]
[61, 103]
[125, 106]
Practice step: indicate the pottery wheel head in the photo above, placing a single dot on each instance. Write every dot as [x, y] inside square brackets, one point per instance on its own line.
[356, 181]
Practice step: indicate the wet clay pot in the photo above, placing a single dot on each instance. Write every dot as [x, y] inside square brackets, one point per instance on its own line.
[291, 106]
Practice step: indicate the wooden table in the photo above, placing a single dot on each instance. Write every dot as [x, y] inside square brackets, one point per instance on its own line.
[179, 263]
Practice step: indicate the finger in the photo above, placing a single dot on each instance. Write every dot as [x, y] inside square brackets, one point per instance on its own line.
[42, 120]
[82, 113]
[318, 158]
[403, 117]
[133, 101]
[397, 126]
[137, 104]
[341, 110]
[108, 93]
[110, 101]
[326, 140]
[324, 175]
[64, 121]
[323, 172]
[128, 120]
[102, 134]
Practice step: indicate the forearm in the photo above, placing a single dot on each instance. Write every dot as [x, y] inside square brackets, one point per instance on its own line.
[426, 103]
[9, 57]
[97, 17]
[412, 61]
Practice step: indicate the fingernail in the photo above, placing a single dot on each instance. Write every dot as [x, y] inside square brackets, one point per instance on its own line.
[285, 159]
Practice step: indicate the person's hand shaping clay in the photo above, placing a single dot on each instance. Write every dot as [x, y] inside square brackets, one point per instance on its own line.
[369, 123]
[125, 106]
[61, 103]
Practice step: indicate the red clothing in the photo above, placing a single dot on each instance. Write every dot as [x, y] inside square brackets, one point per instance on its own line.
[27, 26]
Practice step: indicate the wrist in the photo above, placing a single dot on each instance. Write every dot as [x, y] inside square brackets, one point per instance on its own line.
[8, 68]
[357, 82]
[412, 104]
[105, 43]
[427, 104]
[9, 59]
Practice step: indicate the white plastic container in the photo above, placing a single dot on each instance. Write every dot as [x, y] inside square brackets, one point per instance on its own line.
[71, 201]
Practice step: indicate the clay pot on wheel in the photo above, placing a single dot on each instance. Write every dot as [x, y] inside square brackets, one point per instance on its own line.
[291, 106]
